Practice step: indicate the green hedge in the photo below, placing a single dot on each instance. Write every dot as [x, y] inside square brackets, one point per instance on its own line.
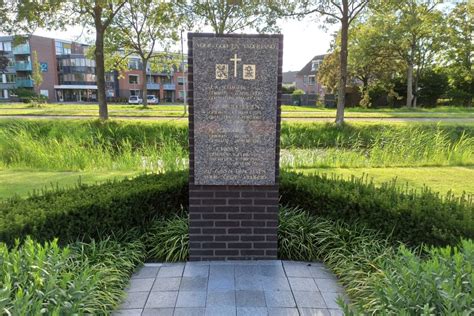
[408, 216]
[93, 211]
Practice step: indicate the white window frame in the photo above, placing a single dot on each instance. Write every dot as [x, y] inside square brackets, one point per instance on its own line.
[132, 75]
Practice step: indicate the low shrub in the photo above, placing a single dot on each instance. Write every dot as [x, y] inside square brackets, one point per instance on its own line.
[168, 239]
[45, 279]
[93, 211]
[408, 216]
[379, 278]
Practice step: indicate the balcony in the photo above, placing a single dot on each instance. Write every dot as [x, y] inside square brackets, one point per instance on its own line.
[153, 86]
[23, 49]
[169, 86]
[23, 66]
[24, 83]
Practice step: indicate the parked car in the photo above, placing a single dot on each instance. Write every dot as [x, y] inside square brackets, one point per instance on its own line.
[151, 99]
[135, 100]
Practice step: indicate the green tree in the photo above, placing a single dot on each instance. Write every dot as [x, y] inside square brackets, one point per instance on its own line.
[335, 11]
[458, 57]
[141, 27]
[36, 75]
[410, 30]
[26, 16]
[229, 16]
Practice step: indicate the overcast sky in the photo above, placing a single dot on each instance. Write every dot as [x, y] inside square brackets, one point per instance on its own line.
[302, 40]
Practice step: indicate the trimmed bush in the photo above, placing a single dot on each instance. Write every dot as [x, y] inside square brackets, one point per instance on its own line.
[93, 211]
[407, 216]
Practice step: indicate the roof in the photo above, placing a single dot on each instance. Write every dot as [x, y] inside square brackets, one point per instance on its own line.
[289, 76]
[306, 70]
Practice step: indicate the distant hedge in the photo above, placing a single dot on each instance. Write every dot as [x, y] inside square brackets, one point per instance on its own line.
[93, 211]
[408, 216]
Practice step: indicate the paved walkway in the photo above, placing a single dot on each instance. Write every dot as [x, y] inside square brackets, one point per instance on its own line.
[233, 288]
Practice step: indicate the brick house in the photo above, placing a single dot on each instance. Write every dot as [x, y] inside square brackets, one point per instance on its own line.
[306, 78]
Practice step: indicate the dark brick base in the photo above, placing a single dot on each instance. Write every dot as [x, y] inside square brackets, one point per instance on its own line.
[233, 222]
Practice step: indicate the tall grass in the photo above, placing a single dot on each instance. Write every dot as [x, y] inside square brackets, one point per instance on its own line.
[160, 147]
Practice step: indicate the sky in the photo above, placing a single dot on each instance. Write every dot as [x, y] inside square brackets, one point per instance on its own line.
[302, 40]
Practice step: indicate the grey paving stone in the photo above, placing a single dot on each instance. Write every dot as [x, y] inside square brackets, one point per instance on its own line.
[128, 312]
[189, 311]
[314, 312]
[279, 299]
[248, 298]
[193, 284]
[320, 272]
[302, 284]
[328, 285]
[158, 312]
[161, 299]
[146, 272]
[252, 311]
[221, 282]
[248, 282]
[280, 311]
[140, 285]
[191, 299]
[220, 311]
[171, 271]
[336, 312]
[221, 299]
[222, 270]
[274, 271]
[330, 298]
[247, 270]
[192, 270]
[296, 269]
[309, 299]
[135, 300]
[166, 284]
[275, 284]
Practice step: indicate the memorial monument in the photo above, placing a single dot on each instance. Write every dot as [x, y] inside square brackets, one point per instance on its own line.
[234, 89]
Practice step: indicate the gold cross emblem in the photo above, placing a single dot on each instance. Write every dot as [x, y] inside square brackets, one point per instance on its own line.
[235, 60]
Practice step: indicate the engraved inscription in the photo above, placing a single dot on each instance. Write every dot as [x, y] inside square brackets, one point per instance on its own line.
[235, 115]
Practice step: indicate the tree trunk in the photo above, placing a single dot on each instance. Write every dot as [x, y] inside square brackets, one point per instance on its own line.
[144, 89]
[100, 72]
[410, 82]
[341, 95]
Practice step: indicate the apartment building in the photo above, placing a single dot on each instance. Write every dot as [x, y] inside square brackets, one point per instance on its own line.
[69, 76]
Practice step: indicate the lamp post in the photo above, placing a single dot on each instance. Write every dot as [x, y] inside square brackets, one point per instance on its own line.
[184, 72]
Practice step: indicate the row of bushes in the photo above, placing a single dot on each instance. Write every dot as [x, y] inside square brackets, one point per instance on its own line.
[405, 215]
[80, 279]
[91, 211]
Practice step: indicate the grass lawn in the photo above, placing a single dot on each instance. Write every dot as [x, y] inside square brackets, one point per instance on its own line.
[439, 179]
[178, 110]
[23, 182]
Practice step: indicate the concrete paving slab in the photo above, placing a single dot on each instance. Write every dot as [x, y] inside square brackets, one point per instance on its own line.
[277, 288]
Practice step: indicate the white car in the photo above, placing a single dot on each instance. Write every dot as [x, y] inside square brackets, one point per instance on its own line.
[151, 99]
[134, 100]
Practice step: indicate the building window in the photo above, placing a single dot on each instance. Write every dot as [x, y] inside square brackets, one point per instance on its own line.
[6, 46]
[134, 92]
[10, 78]
[134, 64]
[133, 79]
[311, 80]
[315, 65]
[181, 81]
